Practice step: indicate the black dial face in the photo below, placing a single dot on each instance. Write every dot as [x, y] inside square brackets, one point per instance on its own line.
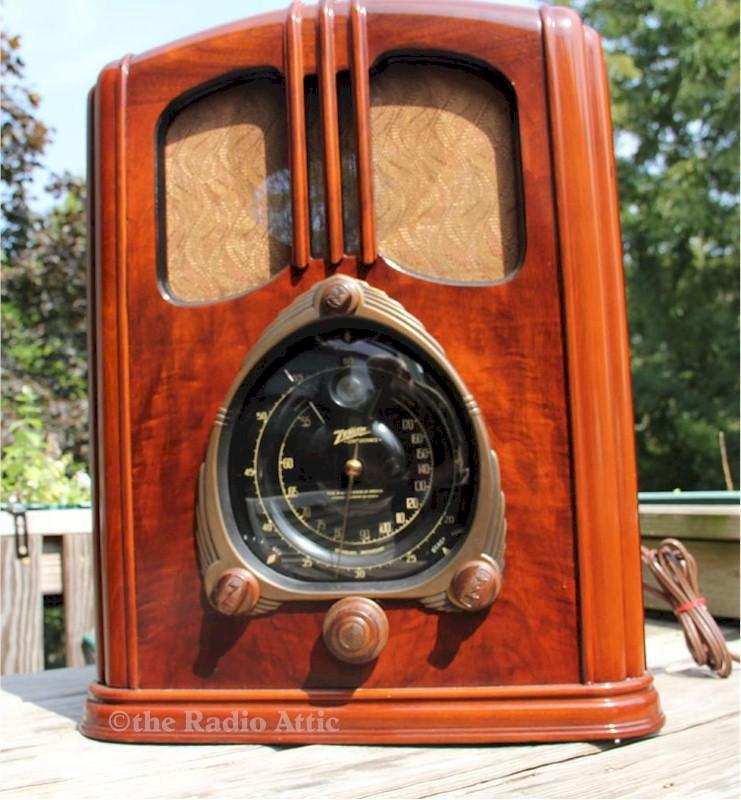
[347, 458]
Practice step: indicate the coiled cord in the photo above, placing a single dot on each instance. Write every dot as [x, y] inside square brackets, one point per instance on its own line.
[675, 570]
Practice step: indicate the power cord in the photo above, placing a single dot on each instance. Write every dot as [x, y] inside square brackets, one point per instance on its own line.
[675, 570]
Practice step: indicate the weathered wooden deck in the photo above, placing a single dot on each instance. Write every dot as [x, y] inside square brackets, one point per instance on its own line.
[695, 755]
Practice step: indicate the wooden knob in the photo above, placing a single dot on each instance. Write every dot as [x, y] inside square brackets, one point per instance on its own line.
[236, 592]
[475, 585]
[355, 630]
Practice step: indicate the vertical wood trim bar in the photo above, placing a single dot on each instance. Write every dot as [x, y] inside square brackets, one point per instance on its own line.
[596, 356]
[110, 498]
[361, 96]
[609, 215]
[124, 380]
[332, 166]
[294, 68]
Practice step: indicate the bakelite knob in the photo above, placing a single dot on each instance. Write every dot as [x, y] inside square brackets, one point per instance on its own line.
[235, 593]
[340, 295]
[476, 585]
[355, 630]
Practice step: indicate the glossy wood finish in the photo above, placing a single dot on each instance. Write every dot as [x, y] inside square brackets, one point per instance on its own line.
[602, 420]
[119, 635]
[297, 135]
[500, 714]
[361, 97]
[619, 375]
[163, 370]
[487, 332]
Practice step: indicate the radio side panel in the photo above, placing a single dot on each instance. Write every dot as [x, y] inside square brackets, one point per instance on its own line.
[605, 482]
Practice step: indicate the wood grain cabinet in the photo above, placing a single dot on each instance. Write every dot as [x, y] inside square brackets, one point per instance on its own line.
[434, 536]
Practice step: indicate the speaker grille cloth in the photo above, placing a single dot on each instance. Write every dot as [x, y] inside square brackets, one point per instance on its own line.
[444, 173]
[227, 206]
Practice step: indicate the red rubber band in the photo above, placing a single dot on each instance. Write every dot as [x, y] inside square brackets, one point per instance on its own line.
[696, 603]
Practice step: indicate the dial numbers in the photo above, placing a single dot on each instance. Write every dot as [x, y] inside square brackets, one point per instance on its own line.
[324, 484]
[350, 462]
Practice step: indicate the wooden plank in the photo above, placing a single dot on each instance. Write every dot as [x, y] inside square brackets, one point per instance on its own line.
[79, 595]
[699, 762]
[22, 614]
[51, 565]
[691, 522]
[718, 575]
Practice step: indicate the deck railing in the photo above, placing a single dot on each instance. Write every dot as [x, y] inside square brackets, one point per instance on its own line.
[52, 558]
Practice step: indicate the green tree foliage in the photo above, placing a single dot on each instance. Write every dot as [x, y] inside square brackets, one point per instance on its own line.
[23, 141]
[43, 302]
[34, 470]
[44, 323]
[673, 67]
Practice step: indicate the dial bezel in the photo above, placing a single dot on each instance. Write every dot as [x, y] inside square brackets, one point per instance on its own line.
[220, 544]
[242, 442]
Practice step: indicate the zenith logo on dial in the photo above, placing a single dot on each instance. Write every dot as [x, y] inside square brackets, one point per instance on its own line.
[354, 435]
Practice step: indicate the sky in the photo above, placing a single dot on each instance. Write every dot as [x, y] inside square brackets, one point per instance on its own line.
[65, 44]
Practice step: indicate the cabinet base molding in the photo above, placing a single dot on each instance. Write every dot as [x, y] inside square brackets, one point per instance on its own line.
[568, 712]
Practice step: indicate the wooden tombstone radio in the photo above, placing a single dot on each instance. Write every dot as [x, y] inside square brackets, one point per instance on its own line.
[364, 455]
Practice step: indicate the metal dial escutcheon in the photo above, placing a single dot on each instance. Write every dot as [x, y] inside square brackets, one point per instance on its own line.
[349, 460]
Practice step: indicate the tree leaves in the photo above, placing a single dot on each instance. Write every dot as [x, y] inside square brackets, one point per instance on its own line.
[674, 77]
[44, 338]
[23, 141]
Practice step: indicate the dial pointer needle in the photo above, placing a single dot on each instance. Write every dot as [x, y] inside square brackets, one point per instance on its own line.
[352, 469]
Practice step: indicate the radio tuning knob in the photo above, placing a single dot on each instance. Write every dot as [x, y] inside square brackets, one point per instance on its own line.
[355, 630]
[235, 593]
[475, 585]
[340, 295]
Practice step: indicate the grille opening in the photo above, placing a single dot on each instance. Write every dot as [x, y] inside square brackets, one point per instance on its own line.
[446, 170]
[348, 163]
[225, 191]
[315, 168]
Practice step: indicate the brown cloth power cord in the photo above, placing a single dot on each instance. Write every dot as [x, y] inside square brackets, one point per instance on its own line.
[675, 570]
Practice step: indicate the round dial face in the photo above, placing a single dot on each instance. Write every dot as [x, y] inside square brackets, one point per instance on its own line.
[347, 458]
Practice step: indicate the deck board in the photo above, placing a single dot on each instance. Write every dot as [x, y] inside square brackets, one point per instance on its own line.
[696, 754]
